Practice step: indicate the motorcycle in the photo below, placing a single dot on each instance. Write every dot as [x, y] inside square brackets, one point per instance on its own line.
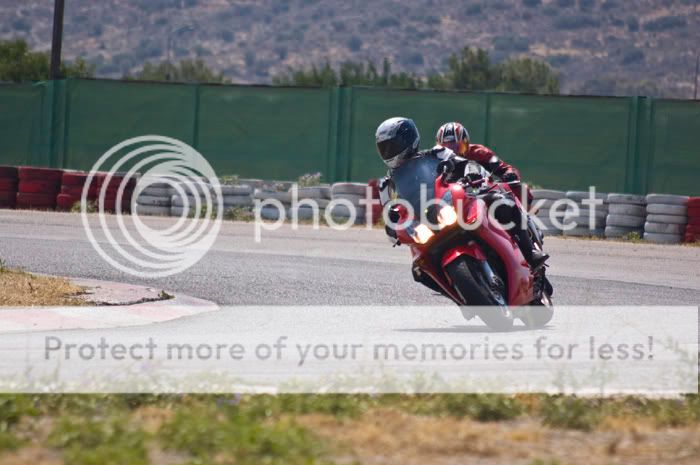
[463, 249]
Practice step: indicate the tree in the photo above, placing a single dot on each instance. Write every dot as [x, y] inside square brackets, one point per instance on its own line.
[528, 76]
[185, 71]
[470, 70]
[348, 74]
[614, 86]
[19, 64]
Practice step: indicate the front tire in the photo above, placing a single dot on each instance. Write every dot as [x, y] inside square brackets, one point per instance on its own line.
[539, 313]
[473, 285]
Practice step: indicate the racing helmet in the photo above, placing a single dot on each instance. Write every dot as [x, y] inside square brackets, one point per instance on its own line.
[454, 136]
[397, 139]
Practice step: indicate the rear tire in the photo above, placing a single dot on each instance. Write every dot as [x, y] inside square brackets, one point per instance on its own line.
[472, 284]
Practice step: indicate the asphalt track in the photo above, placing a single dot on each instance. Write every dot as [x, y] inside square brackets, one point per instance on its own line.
[353, 267]
[359, 268]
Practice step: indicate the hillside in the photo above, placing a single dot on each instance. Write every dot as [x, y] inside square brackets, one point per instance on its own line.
[598, 46]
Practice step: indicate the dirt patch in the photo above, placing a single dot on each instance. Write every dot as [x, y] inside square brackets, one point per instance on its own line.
[386, 436]
[21, 289]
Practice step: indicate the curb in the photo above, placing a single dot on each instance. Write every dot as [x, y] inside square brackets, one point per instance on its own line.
[124, 305]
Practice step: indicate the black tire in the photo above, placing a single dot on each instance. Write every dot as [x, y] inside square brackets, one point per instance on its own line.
[539, 313]
[474, 287]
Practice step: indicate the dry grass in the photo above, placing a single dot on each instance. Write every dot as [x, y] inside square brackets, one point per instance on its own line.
[21, 289]
[383, 436]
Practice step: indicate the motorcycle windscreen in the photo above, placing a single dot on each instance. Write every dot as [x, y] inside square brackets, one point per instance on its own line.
[411, 175]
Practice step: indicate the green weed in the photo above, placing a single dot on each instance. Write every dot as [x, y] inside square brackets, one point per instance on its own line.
[228, 434]
[570, 413]
[104, 441]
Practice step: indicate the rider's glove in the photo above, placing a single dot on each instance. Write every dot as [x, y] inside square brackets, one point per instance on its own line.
[445, 166]
[510, 177]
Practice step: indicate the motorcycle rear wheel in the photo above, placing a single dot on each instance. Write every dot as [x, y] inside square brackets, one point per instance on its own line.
[474, 287]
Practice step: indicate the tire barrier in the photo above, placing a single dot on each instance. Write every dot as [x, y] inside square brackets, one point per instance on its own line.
[342, 211]
[195, 191]
[269, 212]
[240, 190]
[320, 195]
[38, 187]
[237, 201]
[543, 214]
[626, 215]
[152, 210]
[353, 192]
[8, 186]
[253, 183]
[315, 193]
[692, 230]
[586, 225]
[112, 188]
[237, 196]
[354, 188]
[666, 218]
[376, 207]
[71, 191]
[156, 199]
[627, 209]
[660, 218]
[284, 197]
[33, 201]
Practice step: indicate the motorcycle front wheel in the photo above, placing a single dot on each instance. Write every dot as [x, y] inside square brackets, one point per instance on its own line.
[539, 313]
[473, 284]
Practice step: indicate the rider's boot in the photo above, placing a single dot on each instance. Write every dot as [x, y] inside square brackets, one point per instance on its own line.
[535, 258]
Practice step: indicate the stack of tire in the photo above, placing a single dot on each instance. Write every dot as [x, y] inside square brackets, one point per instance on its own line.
[351, 192]
[111, 190]
[319, 195]
[72, 183]
[239, 196]
[376, 207]
[270, 211]
[155, 199]
[8, 186]
[585, 224]
[692, 231]
[549, 197]
[667, 216]
[38, 187]
[191, 192]
[626, 215]
[253, 183]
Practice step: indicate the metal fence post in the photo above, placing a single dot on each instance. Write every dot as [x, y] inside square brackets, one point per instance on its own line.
[195, 118]
[334, 109]
[650, 130]
[343, 157]
[631, 181]
[487, 119]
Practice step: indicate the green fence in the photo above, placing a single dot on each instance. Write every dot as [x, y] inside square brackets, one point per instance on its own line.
[634, 144]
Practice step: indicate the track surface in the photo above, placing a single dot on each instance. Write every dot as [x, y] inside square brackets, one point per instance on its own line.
[354, 267]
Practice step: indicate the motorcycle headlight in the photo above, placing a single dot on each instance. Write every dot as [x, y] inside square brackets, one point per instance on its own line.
[447, 216]
[422, 234]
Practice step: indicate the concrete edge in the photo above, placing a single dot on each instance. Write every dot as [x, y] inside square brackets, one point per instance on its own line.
[131, 305]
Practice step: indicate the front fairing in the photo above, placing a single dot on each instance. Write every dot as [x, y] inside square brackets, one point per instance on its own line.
[414, 176]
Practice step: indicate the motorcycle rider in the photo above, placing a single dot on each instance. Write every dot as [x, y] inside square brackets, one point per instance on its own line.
[397, 140]
[455, 137]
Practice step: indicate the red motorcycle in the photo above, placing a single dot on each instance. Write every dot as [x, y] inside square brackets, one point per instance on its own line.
[464, 250]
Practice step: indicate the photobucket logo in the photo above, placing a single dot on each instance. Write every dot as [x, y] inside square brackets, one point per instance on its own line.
[172, 168]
